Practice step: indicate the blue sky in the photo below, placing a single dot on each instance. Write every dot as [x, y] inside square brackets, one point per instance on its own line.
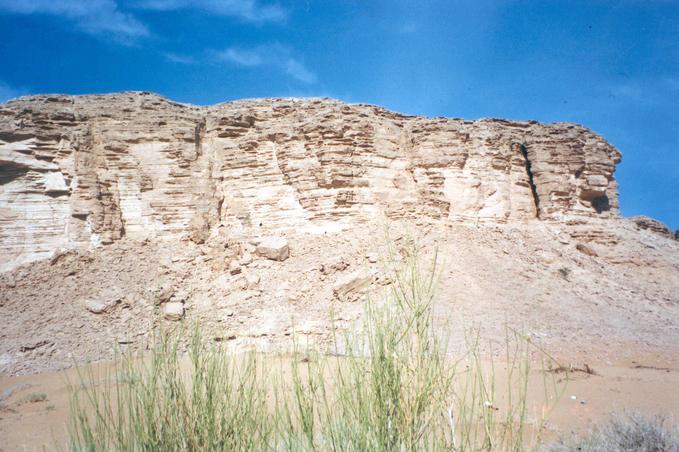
[610, 65]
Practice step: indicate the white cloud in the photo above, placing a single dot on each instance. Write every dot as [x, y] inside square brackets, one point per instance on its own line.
[179, 59]
[8, 92]
[106, 18]
[277, 56]
[243, 57]
[96, 17]
[247, 10]
[297, 70]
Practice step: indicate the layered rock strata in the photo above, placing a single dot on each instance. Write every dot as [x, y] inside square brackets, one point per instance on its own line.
[89, 170]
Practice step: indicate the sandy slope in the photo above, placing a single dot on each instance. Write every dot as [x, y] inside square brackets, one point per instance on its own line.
[617, 304]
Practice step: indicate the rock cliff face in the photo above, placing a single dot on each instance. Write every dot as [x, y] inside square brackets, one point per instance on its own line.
[258, 218]
[89, 170]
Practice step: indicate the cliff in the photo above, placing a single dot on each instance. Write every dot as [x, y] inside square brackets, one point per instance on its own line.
[259, 218]
[88, 170]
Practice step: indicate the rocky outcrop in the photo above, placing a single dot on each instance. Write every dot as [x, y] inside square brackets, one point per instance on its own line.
[88, 170]
[654, 225]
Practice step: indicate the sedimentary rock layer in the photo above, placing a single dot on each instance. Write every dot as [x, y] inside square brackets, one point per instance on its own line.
[88, 170]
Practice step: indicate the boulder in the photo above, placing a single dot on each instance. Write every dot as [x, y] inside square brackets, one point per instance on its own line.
[96, 306]
[274, 248]
[173, 311]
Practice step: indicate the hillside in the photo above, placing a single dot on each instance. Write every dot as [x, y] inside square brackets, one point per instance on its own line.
[120, 213]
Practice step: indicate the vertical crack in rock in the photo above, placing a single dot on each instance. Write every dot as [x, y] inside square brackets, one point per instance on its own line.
[207, 200]
[277, 162]
[283, 166]
[220, 204]
[199, 135]
[531, 181]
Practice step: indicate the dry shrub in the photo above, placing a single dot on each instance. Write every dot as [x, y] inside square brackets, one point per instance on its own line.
[628, 431]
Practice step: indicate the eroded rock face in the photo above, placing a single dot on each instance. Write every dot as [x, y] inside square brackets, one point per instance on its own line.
[88, 170]
[654, 225]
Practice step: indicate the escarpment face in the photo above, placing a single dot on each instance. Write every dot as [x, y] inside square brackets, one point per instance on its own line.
[88, 170]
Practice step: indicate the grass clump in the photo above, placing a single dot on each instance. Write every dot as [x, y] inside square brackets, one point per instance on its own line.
[389, 385]
[389, 390]
[213, 402]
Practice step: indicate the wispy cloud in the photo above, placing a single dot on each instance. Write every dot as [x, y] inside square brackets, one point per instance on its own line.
[8, 92]
[247, 10]
[650, 90]
[96, 17]
[106, 18]
[297, 70]
[628, 90]
[243, 57]
[277, 56]
[179, 59]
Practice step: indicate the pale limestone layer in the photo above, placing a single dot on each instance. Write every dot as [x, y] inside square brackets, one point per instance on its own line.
[88, 170]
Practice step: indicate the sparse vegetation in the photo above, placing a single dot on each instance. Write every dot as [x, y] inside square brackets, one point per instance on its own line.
[34, 397]
[585, 369]
[626, 432]
[217, 402]
[390, 385]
